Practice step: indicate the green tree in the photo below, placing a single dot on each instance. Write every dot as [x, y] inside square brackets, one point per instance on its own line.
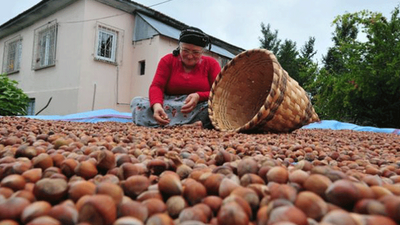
[307, 68]
[299, 65]
[13, 101]
[360, 81]
[269, 40]
[288, 58]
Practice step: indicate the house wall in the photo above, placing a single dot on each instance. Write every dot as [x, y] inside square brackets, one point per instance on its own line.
[60, 82]
[104, 85]
[78, 82]
[150, 50]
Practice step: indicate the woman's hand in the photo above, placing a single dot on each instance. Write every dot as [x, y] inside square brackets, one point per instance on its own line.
[159, 114]
[190, 103]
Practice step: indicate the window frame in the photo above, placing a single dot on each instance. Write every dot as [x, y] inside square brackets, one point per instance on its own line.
[142, 67]
[16, 58]
[45, 46]
[105, 30]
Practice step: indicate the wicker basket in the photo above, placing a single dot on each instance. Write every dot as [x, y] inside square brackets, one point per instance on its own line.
[252, 93]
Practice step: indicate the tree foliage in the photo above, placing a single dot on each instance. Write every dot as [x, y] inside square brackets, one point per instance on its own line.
[270, 39]
[360, 81]
[13, 101]
[299, 65]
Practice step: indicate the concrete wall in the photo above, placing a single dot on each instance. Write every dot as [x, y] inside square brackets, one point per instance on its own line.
[60, 82]
[78, 82]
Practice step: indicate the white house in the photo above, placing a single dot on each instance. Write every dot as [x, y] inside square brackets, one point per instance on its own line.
[89, 54]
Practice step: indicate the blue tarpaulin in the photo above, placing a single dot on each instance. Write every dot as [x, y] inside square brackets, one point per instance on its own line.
[105, 115]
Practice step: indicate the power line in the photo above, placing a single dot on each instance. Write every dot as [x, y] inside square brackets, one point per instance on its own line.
[159, 3]
[100, 18]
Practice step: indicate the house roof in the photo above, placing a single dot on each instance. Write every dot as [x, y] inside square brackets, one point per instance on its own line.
[165, 25]
[172, 32]
[39, 11]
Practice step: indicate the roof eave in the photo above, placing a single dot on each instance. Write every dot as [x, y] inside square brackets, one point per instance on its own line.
[39, 11]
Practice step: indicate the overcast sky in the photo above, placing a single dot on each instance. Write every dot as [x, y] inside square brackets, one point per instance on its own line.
[238, 22]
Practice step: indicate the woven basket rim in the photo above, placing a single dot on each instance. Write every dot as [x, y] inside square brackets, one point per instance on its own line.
[275, 86]
[251, 123]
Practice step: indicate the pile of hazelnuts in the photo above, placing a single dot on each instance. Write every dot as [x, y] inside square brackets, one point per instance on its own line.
[60, 172]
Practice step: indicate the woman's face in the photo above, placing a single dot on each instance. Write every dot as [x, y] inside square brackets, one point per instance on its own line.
[190, 54]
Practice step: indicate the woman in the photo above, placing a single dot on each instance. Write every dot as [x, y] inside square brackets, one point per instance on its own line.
[179, 92]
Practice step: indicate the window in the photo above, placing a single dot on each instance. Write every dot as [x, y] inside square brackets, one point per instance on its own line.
[44, 49]
[12, 55]
[106, 44]
[30, 111]
[142, 67]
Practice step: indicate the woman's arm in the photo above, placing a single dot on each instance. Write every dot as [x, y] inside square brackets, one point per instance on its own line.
[213, 70]
[161, 77]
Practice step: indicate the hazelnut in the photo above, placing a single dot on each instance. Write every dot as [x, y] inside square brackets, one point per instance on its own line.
[232, 213]
[157, 166]
[170, 184]
[43, 161]
[380, 191]
[342, 193]
[249, 195]
[80, 188]
[96, 209]
[128, 220]
[135, 185]
[14, 181]
[154, 206]
[194, 191]
[262, 215]
[32, 175]
[192, 214]
[283, 191]
[242, 203]
[202, 207]
[9, 222]
[129, 169]
[6, 192]
[175, 204]
[212, 183]
[105, 160]
[44, 220]
[251, 178]
[298, 176]
[227, 186]
[160, 219]
[214, 202]
[392, 206]
[111, 189]
[24, 194]
[289, 214]
[370, 206]
[12, 208]
[65, 212]
[86, 169]
[278, 174]
[311, 204]
[317, 183]
[68, 167]
[247, 165]
[149, 194]
[52, 190]
[262, 190]
[131, 208]
[338, 217]
[34, 210]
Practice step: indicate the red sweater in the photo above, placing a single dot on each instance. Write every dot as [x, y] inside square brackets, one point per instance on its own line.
[171, 78]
